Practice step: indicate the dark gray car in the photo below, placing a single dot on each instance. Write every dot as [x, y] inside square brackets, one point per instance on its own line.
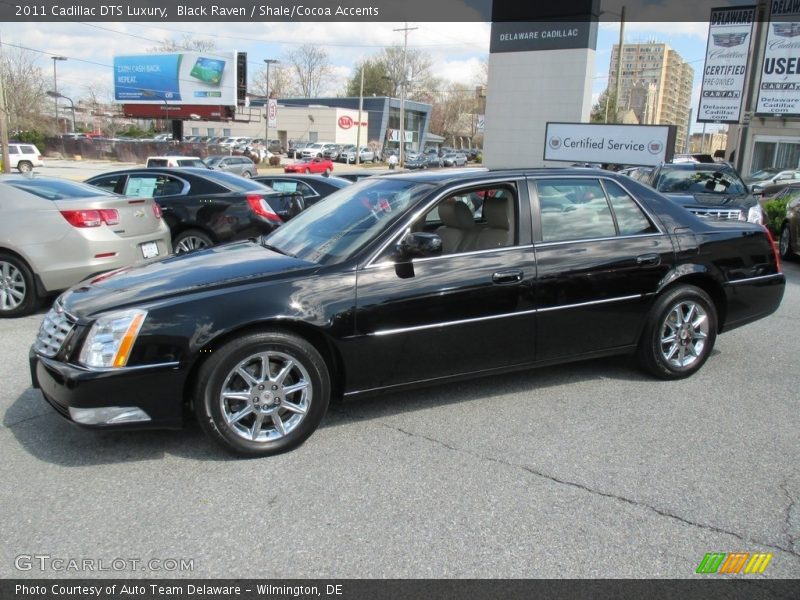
[239, 165]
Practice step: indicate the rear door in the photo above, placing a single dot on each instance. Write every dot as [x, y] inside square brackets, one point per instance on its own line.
[600, 258]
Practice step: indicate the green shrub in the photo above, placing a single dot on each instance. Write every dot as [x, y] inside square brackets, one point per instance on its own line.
[31, 137]
[776, 213]
[479, 159]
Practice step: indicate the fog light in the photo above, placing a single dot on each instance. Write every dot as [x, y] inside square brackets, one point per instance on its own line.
[108, 415]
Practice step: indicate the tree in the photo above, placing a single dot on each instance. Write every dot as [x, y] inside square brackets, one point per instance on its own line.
[375, 80]
[420, 81]
[281, 83]
[604, 109]
[26, 88]
[186, 43]
[453, 112]
[310, 67]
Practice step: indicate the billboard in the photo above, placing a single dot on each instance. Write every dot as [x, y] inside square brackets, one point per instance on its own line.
[609, 144]
[779, 91]
[730, 33]
[206, 78]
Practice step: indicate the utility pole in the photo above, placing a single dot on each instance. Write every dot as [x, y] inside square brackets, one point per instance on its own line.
[55, 89]
[405, 31]
[360, 108]
[619, 65]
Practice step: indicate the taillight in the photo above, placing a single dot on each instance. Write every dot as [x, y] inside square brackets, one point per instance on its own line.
[774, 248]
[91, 218]
[157, 210]
[259, 206]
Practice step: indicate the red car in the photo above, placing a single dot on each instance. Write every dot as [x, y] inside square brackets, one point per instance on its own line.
[310, 165]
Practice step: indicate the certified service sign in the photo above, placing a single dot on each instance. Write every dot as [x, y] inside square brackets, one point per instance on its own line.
[609, 144]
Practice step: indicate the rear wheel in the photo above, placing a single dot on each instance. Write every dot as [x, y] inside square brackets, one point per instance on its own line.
[327, 171]
[191, 240]
[17, 291]
[308, 171]
[25, 166]
[263, 393]
[679, 334]
[785, 244]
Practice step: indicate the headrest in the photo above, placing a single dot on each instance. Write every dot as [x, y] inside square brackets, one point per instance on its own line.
[456, 214]
[496, 212]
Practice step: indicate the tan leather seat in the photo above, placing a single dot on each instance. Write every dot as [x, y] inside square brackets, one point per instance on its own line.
[457, 226]
[499, 230]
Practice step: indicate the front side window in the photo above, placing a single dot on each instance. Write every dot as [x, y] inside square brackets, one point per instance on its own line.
[152, 186]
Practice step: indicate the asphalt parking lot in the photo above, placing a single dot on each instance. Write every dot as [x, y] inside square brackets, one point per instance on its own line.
[585, 470]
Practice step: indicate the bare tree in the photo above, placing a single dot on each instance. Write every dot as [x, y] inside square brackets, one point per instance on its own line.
[281, 83]
[453, 112]
[310, 67]
[420, 81]
[185, 43]
[26, 89]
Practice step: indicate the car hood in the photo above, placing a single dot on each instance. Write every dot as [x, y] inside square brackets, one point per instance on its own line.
[715, 200]
[221, 266]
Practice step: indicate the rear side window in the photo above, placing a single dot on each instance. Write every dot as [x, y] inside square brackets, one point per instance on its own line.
[54, 189]
[630, 218]
[574, 209]
[28, 150]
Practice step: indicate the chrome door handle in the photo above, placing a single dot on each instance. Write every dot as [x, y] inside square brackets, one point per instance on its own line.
[648, 259]
[507, 277]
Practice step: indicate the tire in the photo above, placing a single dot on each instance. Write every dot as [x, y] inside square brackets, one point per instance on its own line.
[236, 399]
[25, 166]
[669, 347]
[308, 171]
[327, 172]
[247, 174]
[190, 241]
[17, 288]
[785, 243]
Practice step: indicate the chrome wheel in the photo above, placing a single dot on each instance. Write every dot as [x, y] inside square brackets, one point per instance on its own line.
[12, 287]
[785, 244]
[683, 334]
[190, 243]
[266, 396]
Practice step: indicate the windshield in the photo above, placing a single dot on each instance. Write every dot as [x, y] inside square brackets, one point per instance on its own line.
[763, 174]
[691, 181]
[341, 224]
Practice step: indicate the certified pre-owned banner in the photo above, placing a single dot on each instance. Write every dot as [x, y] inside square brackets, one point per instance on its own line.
[779, 92]
[609, 144]
[729, 36]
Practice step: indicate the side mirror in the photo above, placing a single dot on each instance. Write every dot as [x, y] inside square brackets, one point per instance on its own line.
[418, 244]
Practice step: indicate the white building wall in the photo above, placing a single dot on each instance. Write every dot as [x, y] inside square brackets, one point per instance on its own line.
[525, 91]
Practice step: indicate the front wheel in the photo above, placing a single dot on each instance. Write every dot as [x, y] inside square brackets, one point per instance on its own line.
[679, 334]
[24, 166]
[246, 175]
[263, 393]
[327, 171]
[785, 244]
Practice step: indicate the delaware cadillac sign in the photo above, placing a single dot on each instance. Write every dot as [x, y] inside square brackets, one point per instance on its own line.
[779, 92]
[729, 36]
[609, 144]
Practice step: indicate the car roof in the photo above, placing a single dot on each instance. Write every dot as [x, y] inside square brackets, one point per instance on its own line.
[303, 177]
[694, 166]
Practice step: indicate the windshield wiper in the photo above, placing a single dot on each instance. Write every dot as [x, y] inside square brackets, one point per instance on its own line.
[274, 248]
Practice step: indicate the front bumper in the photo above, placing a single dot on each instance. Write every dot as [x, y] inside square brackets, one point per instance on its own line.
[155, 390]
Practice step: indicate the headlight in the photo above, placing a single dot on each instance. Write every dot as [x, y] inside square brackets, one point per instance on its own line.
[111, 339]
[754, 215]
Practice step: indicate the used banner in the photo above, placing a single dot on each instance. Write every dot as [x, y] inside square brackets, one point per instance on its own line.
[779, 92]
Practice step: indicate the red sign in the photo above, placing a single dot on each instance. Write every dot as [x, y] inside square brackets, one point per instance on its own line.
[345, 122]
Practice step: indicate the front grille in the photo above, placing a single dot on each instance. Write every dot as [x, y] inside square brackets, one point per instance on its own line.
[717, 214]
[54, 330]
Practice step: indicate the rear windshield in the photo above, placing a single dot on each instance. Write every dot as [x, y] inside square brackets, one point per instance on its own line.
[55, 189]
[235, 182]
[157, 162]
[191, 162]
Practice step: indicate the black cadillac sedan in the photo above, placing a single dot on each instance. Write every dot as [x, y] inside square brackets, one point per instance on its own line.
[398, 281]
[203, 207]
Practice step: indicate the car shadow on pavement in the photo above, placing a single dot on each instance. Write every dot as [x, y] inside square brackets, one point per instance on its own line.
[48, 437]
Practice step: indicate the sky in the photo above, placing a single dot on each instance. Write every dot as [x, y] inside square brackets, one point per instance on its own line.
[456, 48]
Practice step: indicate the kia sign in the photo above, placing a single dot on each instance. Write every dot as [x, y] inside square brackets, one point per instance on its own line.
[272, 112]
[779, 92]
[609, 144]
[345, 122]
[729, 35]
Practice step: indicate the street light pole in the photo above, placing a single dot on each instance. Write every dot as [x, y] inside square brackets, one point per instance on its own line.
[55, 95]
[268, 61]
[55, 88]
[619, 64]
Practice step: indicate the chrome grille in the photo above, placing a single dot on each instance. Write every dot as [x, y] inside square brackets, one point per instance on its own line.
[54, 330]
[718, 214]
